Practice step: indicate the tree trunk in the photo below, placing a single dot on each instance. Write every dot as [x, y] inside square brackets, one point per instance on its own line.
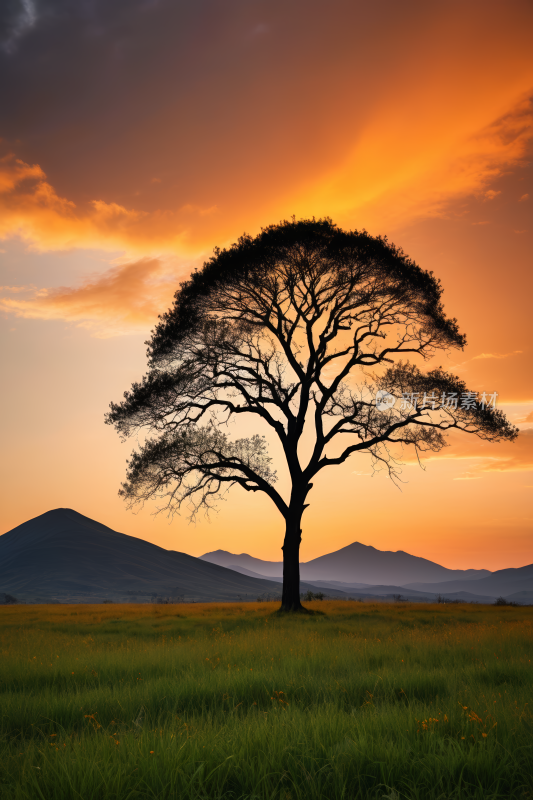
[290, 600]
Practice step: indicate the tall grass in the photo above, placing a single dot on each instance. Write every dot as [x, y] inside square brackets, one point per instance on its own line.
[230, 701]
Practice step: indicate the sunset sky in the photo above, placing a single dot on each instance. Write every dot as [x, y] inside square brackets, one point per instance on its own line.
[137, 135]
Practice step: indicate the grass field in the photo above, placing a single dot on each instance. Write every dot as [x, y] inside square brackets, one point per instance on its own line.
[230, 701]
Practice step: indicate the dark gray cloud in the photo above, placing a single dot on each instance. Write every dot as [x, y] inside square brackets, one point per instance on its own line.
[117, 97]
[79, 78]
[17, 17]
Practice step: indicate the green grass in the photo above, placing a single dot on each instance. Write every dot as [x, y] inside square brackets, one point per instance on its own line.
[229, 701]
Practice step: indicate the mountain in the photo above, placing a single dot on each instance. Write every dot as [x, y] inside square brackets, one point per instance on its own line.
[414, 595]
[345, 587]
[252, 574]
[67, 556]
[64, 556]
[523, 598]
[411, 593]
[356, 563]
[393, 593]
[503, 582]
[268, 569]
[338, 585]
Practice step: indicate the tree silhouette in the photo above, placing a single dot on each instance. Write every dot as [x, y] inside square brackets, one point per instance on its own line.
[278, 326]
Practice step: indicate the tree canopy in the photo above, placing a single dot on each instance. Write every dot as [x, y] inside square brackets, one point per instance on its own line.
[305, 326]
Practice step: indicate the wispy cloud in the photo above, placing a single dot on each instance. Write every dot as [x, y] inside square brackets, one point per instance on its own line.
[488, 458]
[486, 356]
[496, 355]
[22, 18]
[389, 182]
[18, 289]
[127, 298]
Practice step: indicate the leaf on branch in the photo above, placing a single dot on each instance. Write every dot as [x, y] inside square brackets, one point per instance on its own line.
[192, 466]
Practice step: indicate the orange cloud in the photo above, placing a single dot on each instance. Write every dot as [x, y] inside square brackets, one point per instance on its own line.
[392, 179]
[126, 298]
[31, 209]
[514, 456]
[382, 184]
[18, 289]
[496, 355]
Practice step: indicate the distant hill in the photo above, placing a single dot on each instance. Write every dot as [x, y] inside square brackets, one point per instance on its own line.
[356, 563]
[424, 593]
[251, 573]
[417, 596]
[267, 569]
[64, 556]
[503, 582]
[338, 585]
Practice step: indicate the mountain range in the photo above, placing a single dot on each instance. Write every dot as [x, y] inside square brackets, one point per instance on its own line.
[388, 573]
[355, 565]
[63, 556]
[503, 582]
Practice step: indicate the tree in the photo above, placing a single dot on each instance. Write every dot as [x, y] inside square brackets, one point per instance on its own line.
[279, 326]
